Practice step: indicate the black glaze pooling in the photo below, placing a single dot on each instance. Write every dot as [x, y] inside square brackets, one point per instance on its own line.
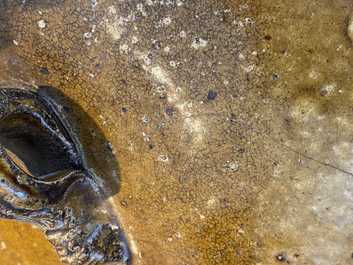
[44, 181]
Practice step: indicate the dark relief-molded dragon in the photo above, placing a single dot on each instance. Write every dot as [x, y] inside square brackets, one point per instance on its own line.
[44, 180]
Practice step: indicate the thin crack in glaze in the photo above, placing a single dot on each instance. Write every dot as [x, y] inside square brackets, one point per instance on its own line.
[44, 181]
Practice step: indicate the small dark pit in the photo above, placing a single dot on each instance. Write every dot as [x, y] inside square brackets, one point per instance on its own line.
[232, 118]
[323, 92]
[44, 71]
[156, 45]
[268, 37]
[124, 203]
[169, 111]
[211, 95]
[275, 77]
